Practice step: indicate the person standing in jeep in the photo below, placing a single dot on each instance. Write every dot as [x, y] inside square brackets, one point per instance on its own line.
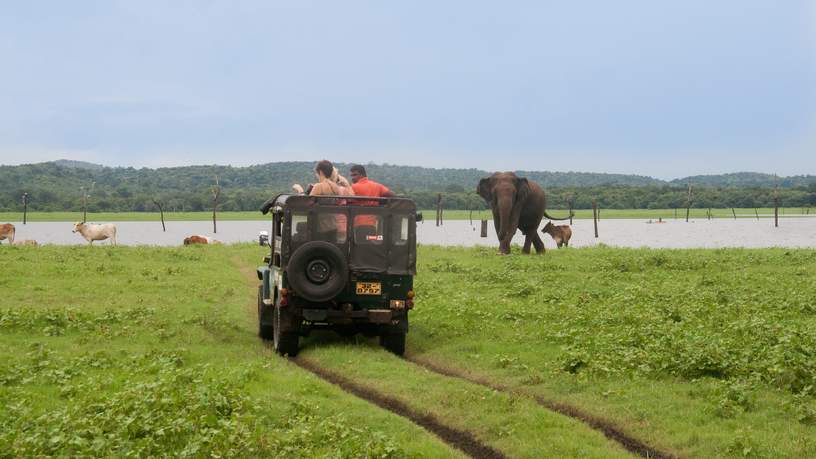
[366, 225]
[362, 186]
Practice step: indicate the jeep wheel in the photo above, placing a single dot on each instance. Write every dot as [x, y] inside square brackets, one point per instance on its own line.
[317, 271]
[285, 343]
[265, 331]
[393, 342]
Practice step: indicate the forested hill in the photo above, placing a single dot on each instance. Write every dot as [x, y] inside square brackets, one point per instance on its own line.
[56, 186]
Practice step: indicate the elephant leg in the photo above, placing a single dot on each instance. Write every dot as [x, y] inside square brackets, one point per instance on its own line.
[527, 242]
[504, 246]
[538, 243]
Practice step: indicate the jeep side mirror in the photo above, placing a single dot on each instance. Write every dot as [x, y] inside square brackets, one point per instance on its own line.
[263, 238]
[419, 216]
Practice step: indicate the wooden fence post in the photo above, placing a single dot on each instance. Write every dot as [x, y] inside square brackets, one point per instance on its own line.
[756, 212]
[595, 216]
[570, 211]
[484, 229]
[776, 212]
[734, 212]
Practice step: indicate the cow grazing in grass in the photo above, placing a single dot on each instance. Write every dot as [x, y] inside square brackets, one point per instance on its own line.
[25, 242]
[95, 232]
[200, 240]
[561, 233]
[7, 232]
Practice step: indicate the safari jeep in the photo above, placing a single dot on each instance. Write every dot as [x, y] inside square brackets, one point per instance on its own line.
[342, 263]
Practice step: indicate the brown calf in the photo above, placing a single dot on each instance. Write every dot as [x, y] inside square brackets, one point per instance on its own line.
[7, 232]
[561, 233]
[196, 240]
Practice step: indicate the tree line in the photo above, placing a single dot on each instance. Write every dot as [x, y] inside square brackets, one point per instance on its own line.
[59, 187]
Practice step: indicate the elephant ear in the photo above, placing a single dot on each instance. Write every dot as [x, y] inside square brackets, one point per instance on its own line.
[522, 189]
[484, 189]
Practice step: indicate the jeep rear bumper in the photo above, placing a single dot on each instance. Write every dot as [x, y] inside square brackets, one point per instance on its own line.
[337, 316]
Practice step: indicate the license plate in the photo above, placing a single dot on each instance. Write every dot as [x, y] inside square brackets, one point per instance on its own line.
[369, 288]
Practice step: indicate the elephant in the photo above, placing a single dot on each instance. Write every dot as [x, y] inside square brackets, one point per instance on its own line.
[517, 203]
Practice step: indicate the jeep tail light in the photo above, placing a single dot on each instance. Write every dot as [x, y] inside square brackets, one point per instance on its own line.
[397, 304]
[409, 304]
[410, 294]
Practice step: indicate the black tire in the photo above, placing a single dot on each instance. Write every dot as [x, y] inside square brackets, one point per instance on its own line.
[393, 342]
[317, 271]
[265, 331]
[285, 343]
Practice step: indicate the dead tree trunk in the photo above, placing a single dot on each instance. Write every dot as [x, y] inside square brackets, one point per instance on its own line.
[216, 191]
[161, 212]
[25, 207]
[595, 216]
[439, 209]
[688, 202]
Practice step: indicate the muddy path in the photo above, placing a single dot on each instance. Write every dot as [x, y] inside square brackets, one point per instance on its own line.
[460, 439]
[612, 432]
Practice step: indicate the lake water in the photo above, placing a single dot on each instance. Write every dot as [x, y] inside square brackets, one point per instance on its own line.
[744, 232]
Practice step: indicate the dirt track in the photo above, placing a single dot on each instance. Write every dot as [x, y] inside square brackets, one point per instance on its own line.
[462, 440]
[630, 443]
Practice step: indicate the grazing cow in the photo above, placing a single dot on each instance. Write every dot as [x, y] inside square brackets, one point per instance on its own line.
[7, 232]
[25, 242]
[95, 232]
[561, 233]
[200, 240]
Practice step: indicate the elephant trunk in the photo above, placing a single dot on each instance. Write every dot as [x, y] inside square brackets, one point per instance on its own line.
[506, 228]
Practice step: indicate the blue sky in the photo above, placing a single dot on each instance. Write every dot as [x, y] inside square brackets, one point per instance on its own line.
[667, 89]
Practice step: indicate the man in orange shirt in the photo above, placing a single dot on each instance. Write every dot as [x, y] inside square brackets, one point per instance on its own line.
[362, 186]
[366, 225]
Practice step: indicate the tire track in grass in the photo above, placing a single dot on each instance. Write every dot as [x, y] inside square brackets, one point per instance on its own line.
[628, 442]
[460, 439]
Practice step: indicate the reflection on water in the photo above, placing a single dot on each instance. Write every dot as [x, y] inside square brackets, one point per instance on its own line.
[792, 232]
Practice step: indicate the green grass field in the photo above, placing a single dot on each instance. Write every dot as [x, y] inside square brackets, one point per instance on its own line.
[152, 351]
[429, 215]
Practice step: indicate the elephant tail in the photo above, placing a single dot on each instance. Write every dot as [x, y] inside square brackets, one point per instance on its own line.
[572, 214]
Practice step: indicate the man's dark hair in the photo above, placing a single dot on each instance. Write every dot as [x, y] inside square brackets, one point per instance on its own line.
[359, 169]
[325, 167]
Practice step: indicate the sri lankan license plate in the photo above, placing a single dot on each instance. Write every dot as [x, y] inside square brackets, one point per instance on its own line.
[369, 288]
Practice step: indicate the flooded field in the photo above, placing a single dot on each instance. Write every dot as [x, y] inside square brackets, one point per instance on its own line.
[792, 232]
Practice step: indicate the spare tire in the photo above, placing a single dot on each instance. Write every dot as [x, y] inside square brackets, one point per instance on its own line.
[317, 271]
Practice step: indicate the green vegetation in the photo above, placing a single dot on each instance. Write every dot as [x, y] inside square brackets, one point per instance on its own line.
[704, 353]
[55, 187]
[152, 352]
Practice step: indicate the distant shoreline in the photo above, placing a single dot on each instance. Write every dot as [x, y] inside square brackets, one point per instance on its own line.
[429, 215]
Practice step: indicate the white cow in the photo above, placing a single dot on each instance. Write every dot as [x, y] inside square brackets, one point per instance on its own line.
[94, 232]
